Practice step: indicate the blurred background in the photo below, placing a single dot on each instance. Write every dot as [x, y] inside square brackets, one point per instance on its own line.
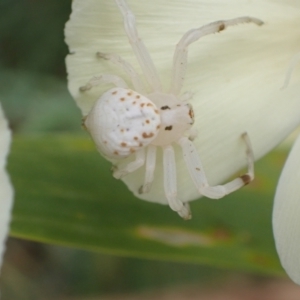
[33, 92]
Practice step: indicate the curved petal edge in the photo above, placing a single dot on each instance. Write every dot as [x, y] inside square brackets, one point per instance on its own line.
[286, 215]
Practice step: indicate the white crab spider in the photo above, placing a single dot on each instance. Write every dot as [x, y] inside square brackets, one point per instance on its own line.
[125, 121]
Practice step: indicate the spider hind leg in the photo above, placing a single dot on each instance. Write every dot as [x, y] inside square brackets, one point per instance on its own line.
[103, 79]
[127, 68]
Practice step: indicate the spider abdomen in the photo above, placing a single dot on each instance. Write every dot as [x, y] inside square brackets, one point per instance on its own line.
[122, 121]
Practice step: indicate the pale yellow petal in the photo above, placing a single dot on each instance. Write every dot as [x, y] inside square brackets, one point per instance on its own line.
[235, 75]
[6, 190]
[286, 215]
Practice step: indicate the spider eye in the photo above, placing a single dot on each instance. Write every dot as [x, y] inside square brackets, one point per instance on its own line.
[122, 121]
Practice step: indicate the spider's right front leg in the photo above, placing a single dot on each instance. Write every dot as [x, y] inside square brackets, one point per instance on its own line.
[170, 184]
[198, 176]
[102, 79]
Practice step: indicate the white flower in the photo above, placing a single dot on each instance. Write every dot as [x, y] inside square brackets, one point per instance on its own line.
[235, 76]
[6, 190]
[286, 215]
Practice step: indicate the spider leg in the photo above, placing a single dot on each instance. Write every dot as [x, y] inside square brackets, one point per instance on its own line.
[196, 171]
[170, 183]
[138, 46]
[132, 166]
[186, 96]
[292, 66]
[192, 133]
[150, 167]
[127, 67]
[181, 51]
[102, 79]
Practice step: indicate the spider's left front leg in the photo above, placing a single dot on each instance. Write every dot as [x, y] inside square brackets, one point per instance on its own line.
[132, 166]
[181, 51]
[198, 176]
[170, 184]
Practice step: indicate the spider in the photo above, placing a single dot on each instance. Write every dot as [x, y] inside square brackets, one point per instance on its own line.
[126, 122]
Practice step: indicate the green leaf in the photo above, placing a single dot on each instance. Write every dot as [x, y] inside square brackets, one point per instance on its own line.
[65, 194]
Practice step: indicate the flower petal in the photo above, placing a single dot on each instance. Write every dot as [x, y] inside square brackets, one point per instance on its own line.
[6, 190]
[286, 215]
[235, 75]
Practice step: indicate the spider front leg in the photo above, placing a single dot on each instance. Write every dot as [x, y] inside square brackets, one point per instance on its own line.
[198, 176]
[170, 184]
[138, 47]
[181, 51]
[102, 79]
[132, 166]
[128, 69]
[150, 168]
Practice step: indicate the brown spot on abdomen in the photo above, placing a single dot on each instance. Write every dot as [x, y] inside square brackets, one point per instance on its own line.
[191, 114]
[147, 136]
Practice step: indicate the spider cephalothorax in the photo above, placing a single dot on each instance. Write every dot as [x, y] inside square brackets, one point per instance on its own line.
[126, 122]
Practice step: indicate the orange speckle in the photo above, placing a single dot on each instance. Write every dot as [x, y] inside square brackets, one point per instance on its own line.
[156, 111]
[147, 136]
[136, 138]
[133, 102]
[191, 114]
[158, 126]
[142, 104]
[116, 152]
[149, 104]
[114, 92]
[123, 144]
[141, 145]
[147, 121]
[129, 93]
[132, 150]
[122, 99]
[137, 96]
